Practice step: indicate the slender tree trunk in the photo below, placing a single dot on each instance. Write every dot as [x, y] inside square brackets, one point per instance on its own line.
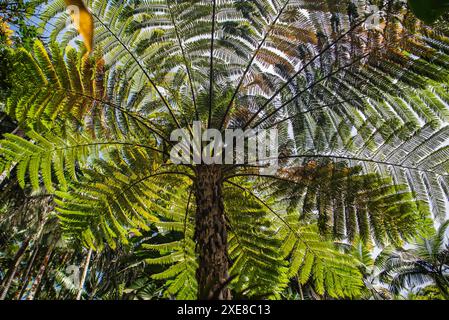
[13, 268]
[27, 273]
[41, 272]
[83, 277]
[301, 294]
[45, 284]
[210, 235]
[32, 260]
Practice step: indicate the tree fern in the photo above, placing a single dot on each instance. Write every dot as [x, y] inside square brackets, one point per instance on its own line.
[361, 111]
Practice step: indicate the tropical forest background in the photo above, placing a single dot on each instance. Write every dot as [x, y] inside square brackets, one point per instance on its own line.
[92, 207]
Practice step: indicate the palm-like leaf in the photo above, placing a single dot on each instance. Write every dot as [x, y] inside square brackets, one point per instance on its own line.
[425, 263]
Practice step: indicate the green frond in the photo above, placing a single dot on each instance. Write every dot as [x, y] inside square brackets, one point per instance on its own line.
[259, 267]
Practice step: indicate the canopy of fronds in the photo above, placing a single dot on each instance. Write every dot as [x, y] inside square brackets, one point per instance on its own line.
[362, 111]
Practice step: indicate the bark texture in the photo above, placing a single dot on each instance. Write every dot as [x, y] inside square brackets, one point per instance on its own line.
[210, 235]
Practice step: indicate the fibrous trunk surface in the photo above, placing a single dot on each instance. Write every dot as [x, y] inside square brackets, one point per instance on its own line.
[210, 235]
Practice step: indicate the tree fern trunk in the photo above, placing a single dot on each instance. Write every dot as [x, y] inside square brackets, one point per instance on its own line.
[13, 268]
[210, 235]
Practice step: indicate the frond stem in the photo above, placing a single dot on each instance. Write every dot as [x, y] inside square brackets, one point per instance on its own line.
[153, 84]
[250, 63]
[184, 56]
[304, 67]
[211, 69]
[305, 90]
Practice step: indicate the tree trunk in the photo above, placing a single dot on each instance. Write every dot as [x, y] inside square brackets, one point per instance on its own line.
[27, 273]
[83, 277]
[210, 235]
[41, 272]
[32, 260]
[14, 266]
[301, 294]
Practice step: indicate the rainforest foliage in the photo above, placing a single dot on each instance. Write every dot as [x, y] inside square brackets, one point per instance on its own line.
[92, 206]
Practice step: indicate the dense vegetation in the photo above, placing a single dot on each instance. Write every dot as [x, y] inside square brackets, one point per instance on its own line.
[92, 206]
